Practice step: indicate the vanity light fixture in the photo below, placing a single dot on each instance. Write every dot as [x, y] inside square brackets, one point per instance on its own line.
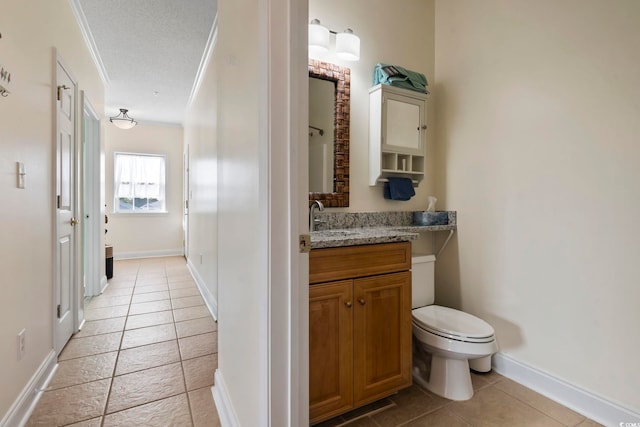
[347, 43]
[122, 120]
[318, 37]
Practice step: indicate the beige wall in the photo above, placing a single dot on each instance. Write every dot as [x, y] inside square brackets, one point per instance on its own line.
[200, 137]
[135, 235]
[29, 31]
[538, 151]
[401, 35]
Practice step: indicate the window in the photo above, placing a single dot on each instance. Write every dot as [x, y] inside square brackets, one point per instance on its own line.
[139, 183]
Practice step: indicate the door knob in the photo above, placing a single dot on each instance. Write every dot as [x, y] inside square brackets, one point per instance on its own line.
[361, 301]
[74, 222]
[348, 304]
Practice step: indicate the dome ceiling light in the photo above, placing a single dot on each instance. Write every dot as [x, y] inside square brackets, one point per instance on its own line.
[122, 120]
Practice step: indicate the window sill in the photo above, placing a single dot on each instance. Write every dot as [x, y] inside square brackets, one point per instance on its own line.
[161, 213]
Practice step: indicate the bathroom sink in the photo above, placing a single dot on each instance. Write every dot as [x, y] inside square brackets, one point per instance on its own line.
[358, 236]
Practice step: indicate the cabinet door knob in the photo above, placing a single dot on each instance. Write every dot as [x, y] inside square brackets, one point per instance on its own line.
[361, 301]
[348, 304]
[424, 127]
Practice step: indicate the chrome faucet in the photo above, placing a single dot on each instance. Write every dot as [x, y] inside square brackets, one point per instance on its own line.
[313, 221]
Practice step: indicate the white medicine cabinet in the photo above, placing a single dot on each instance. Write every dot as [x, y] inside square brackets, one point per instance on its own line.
[397, 134]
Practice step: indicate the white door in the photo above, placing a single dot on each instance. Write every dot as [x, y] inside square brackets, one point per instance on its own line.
[65, 208]
[90, 136]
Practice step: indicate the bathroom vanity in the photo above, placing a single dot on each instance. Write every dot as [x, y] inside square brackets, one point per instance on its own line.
[359, 325]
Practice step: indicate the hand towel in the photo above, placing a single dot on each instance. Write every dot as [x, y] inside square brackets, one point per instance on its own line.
[399, 189]
[395, 75]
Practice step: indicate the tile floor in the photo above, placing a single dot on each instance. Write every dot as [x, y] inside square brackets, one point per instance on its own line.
[148, 350]
[497, 402]
[145, 356]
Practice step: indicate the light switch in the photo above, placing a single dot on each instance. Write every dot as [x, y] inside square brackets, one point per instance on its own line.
[20, 174]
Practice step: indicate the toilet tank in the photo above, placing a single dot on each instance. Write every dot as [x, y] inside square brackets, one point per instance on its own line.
[422, 280]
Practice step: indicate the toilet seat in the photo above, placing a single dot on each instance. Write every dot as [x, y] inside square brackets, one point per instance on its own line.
[453, 324]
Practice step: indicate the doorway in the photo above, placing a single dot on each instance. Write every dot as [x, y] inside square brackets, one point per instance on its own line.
[185, 201]
[92, 281]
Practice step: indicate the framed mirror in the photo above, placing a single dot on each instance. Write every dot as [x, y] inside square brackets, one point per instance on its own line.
[329, 106]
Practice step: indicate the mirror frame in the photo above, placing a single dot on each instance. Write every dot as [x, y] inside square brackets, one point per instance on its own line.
[341, 77]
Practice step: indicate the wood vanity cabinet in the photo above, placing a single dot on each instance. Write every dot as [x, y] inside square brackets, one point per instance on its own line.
[359, 326]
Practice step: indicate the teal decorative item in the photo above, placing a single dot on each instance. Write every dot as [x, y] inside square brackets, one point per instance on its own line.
[395, 75]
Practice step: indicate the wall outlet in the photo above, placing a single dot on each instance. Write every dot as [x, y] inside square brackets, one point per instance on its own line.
[21, 343]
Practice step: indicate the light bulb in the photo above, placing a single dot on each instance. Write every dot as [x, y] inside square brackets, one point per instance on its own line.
[318, 37]
[348, 45]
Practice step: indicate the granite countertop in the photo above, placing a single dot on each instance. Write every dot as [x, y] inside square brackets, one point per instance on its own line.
[370, 235]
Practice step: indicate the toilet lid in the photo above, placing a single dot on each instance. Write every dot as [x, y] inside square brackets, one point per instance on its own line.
[452, 323]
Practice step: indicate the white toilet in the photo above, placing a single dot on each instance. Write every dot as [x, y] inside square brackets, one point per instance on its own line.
[452, 339]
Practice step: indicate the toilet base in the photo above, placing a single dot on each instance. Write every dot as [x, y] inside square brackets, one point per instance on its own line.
[482, 364]
[448, 378]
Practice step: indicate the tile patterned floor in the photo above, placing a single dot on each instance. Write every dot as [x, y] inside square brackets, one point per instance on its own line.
[497, 402]
[145, 356]
[148, 350]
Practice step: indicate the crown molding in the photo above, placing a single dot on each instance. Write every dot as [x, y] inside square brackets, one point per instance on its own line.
[88, 39]
[204, 62]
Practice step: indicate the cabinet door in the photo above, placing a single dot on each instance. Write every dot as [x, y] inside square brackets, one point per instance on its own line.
[404, 121]
[330, 349]
[382, 335]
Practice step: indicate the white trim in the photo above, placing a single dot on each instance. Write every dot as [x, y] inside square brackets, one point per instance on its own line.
[23, 407]
[140, 213]
[148, 254]
[103, 284]
[157, 123]
[287, 84]
[90, 184]
[226, 413]
[209, 299]
[578, 399]
[89, 41]
[268, 167]
[299, 184]
[204, 62]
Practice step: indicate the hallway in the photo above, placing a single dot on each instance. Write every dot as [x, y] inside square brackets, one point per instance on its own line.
[145, 356]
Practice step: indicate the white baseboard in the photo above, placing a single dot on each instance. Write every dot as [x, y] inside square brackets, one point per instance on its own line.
[148, 254]
[103, 284]
[582, 401]
[209, 299]
[24, 405]
[221, 398]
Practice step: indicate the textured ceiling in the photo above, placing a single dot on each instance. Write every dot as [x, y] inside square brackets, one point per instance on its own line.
[150, 51]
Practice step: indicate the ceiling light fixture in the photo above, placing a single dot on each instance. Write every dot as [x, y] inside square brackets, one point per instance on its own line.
[347, 43]
[122, 120]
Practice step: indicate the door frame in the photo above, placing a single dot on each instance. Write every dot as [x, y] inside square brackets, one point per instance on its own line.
[78, 269]
[90, 200]
[186, 196]
[287, 81]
